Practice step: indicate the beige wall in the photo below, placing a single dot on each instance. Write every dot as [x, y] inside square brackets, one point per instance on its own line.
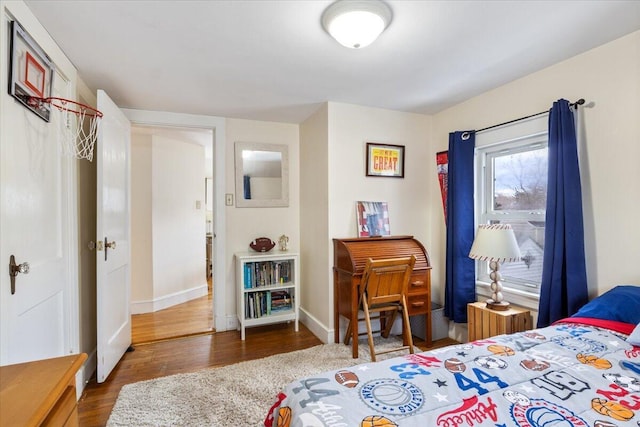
[168, 228]
[245, 224]
[179, 219]
[608, 78]
[314, 222]
[348, 129]
[141, 219]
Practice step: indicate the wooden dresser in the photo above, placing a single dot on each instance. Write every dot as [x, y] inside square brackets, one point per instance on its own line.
[349, 259]
[40, 393]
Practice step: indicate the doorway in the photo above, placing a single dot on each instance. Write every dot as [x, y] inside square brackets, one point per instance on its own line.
[172, 230]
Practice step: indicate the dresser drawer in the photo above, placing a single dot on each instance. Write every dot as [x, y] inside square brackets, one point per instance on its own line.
[64, 412]
[418, 284]
[418, 303]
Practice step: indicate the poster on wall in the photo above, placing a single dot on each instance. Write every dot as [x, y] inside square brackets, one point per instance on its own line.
[372, 219]
[442, 162]
[385, 160]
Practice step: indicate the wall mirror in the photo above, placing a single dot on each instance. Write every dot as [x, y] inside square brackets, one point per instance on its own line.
[262, 175]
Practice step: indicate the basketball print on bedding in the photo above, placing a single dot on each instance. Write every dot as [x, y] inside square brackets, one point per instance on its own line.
[377, 421]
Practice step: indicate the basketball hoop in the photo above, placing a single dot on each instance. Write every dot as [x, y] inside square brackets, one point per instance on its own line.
[78, 125]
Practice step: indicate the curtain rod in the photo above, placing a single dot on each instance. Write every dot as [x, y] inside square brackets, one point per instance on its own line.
[580, 101]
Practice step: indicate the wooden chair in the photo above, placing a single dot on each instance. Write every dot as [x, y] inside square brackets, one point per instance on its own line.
[383, 290]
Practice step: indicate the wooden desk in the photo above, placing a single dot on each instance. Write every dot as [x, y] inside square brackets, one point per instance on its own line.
[40, 393]
[349, 259]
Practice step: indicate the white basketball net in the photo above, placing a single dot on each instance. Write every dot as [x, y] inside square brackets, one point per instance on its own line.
[77, 128]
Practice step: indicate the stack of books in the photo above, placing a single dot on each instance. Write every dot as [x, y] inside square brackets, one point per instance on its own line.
[281, 301]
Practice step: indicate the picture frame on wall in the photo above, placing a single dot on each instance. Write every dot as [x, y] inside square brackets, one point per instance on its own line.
[372, 219]
[30, 73]
[385, 160]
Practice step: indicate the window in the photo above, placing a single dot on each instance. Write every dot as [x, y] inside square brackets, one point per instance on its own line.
[512, 187]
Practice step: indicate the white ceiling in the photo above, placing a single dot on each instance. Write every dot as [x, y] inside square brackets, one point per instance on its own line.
[271, 59]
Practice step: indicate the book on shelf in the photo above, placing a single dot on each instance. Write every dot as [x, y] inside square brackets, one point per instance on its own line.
[266, 273]
[265, 303]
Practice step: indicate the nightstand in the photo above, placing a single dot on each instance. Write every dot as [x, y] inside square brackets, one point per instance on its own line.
[485, 323]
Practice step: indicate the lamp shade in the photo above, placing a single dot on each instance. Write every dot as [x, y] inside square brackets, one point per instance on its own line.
[495, 242]
[356, 23]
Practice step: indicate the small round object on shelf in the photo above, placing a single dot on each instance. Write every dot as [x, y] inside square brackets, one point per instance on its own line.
[262, 244]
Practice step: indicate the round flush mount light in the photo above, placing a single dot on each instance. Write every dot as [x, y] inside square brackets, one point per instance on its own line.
[356, 23]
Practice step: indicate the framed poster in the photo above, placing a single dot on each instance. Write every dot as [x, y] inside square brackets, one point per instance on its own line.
[385, 160]
[30, 73]
[372, 219]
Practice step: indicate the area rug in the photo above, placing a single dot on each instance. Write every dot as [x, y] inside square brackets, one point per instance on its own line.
[231, 396]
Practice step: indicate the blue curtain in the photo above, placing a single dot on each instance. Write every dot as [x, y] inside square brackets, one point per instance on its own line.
[460, 285]
[564, 276]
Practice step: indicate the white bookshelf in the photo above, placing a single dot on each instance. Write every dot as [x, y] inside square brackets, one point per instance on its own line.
[263, 282]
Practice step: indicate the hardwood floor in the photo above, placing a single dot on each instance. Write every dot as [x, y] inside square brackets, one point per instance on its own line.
[190, 318]
[188, 354]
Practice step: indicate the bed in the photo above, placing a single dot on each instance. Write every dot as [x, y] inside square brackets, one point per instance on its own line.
[581, 371]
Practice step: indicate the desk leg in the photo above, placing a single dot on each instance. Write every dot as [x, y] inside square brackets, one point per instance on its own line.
[354, 334]
[336, 314]
[355, 299]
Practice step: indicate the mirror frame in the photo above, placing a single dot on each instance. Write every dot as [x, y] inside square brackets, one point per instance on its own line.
[241, 202]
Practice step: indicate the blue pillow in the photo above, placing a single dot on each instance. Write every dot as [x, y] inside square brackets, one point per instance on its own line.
[634, 338]
[621, 303]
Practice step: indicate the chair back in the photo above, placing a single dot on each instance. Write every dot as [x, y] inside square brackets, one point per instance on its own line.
[385, 281]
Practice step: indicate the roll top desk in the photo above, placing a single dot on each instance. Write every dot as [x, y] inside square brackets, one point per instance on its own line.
[350, 257]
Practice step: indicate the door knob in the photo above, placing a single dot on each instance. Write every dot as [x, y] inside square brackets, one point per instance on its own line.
[108, 245]
[14, 269]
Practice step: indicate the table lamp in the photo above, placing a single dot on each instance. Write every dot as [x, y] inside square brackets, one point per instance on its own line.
[495, 243]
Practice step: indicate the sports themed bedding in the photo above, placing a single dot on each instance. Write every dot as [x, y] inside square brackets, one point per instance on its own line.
[579, 372]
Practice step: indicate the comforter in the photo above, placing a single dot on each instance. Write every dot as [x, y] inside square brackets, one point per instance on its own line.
[564, 375]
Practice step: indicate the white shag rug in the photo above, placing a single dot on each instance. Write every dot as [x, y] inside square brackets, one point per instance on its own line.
[234, 395]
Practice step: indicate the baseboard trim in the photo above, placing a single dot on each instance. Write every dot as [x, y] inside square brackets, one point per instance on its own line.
[316, 327]
[166, 301]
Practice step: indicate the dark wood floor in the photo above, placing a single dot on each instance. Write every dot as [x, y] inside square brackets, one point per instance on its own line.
[188, 354]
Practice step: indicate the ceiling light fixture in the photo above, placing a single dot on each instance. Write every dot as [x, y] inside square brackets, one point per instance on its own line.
[356, 23]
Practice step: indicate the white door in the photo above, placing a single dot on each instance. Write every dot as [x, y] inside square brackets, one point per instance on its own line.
[37, 227]
[113, 233]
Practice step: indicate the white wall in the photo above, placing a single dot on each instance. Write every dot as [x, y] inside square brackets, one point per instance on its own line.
[608, 77]
[168, 228]
[245, 224]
